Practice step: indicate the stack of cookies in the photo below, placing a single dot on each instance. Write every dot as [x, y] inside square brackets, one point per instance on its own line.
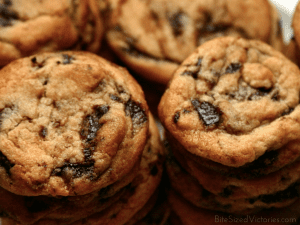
[77, 142]
[232, 120]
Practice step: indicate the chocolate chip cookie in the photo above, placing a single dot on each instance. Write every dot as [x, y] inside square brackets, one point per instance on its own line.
[68, 126]
[30, 26]
[232, 101]
[154, 37]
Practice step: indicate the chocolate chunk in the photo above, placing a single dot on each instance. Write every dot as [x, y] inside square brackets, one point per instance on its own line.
[5, 163]
[136, 113]
[286, 112]
[154, 170]
[43, 132]
[91, 123]
[233, 67]
[199, 62]
[35, 204]
[261, 92]
[177, 23]
[7, 15]
[207, 112]
[115, 98]
[67, 59]
[35, 63]
[193, 74]
[227, 191]
[176, 117]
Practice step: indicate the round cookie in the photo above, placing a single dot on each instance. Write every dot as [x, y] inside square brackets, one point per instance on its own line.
[154, 37]
[30, 26]
[233, 100]
[285, 180]
[267, 163]
[79, 115]
[189, 188]
[191, 215]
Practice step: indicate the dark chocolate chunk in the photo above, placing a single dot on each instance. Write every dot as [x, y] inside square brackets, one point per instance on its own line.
[190, 73]
[227, 191]
[5, 163]
[35, 204]
[67, 59]
[199, 62]
[7, 15]
[207, 112]
[154, 170]
[115, 98]
[35, 63]
[43, 132]
[286, 112]
[136, 113]
[176, 117]
[233, 67]
[177, 23]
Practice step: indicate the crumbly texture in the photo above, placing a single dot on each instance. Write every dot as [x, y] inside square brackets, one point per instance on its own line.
[189, 188]
[70, 125]
[233, 100]
[31, 26]
[191, 215]
[154, 37]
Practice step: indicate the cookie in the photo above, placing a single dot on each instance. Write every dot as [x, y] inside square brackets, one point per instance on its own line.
[191, 215]
[154, 37]
[232, 101]
[189, 188]
[30, 26]
[269, 162]
[79, 115]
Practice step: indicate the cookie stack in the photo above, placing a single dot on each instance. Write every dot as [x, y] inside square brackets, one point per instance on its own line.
[232, 120]
[78, 145]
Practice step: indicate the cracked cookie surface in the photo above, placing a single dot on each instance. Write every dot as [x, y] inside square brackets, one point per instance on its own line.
[154, 37]
[31, 26]
[233, 100]
[69, 121]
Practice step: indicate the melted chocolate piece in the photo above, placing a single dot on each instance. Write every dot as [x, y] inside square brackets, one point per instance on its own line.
[154, 170]
[176, 117]
[233, 67]
[6, 15]
[177, 23]
[227, 191]
[43, 132]
[89, 131]
[67, 59]
[136, 113]
[5, 163]
[208, 113]
[190, 73]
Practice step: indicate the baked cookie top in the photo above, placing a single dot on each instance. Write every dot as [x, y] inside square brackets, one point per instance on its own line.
[232, 100]
[31, 26]
[71, 123]
[154, 37]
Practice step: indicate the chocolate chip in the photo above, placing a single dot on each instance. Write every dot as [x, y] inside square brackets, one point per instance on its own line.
[233, 67]
[115, 98]
[7, 15]
[154, 170]
[207, 112]
[199, 62]
[5, 163]
[67, 59]
[176, 117]
[177, 23]
[35, 63]
[136, 113]
[193, 74]
[43, 132]
[34, 204]
[227, 191]
[286, 112]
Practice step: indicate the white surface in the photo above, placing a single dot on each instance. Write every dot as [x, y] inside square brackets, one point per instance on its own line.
[286, 9]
